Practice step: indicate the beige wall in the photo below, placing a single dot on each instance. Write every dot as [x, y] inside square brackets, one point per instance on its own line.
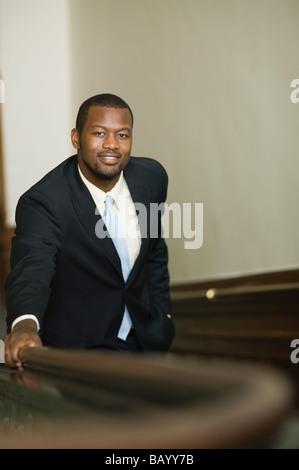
[35, 68]
[209, 84]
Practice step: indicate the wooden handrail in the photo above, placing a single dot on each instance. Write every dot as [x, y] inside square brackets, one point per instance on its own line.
[170, 402]
[255, 321]
[266, 277]
[213, 293]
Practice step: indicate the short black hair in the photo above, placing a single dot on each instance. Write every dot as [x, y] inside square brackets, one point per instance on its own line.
[105, 100]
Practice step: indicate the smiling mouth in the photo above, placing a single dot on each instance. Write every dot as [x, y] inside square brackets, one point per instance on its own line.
[109, 158]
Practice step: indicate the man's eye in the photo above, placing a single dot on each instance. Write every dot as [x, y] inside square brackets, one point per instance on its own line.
[99, 133]
[122, 136]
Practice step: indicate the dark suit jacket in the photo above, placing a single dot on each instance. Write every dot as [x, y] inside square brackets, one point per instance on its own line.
[71, 279]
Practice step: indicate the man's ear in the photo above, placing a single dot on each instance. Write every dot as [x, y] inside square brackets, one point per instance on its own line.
[75, 138]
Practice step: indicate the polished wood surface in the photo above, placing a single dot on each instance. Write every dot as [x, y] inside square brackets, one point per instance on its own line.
[247, 317]
[253, 322]
[72, 399]
[253, 317]
[262, 278]
[6, 234]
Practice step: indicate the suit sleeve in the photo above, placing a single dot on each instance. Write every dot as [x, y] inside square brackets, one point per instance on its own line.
[158, 277]
[157, 266]
[33, 256]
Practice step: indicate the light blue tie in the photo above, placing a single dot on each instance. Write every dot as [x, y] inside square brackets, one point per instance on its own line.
[117, 235]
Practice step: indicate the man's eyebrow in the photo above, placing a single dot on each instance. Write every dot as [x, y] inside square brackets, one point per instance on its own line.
[99, 126]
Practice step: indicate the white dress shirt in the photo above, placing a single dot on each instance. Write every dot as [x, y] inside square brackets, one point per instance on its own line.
[125, 210]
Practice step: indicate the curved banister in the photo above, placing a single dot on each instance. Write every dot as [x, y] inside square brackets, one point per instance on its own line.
[152, 401]
[214, 293]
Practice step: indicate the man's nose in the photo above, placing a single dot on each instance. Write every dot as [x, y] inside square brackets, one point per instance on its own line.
[110, 142]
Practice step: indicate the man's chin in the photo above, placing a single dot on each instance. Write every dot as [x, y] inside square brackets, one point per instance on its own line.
[109, 173]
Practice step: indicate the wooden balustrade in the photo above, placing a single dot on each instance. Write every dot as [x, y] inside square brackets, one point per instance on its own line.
[253, 317]
[72, 399]
[252, 322]
[6, 234]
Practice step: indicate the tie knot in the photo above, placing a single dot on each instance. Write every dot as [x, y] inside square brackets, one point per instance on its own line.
[109, 200]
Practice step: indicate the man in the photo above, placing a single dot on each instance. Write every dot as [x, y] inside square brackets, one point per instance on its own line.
[67, 288]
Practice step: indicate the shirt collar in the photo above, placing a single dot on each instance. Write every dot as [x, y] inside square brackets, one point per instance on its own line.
[99, 195]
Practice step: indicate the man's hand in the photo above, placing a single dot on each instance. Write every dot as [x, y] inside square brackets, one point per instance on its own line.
[24, 334]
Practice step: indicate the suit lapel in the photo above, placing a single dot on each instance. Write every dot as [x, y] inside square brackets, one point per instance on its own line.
[86, 210]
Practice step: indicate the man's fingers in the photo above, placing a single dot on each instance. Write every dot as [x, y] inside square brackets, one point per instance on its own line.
[10, 359]
[14, 346]
[12, 356]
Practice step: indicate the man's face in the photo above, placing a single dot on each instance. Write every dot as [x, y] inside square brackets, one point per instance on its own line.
[104, 145]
